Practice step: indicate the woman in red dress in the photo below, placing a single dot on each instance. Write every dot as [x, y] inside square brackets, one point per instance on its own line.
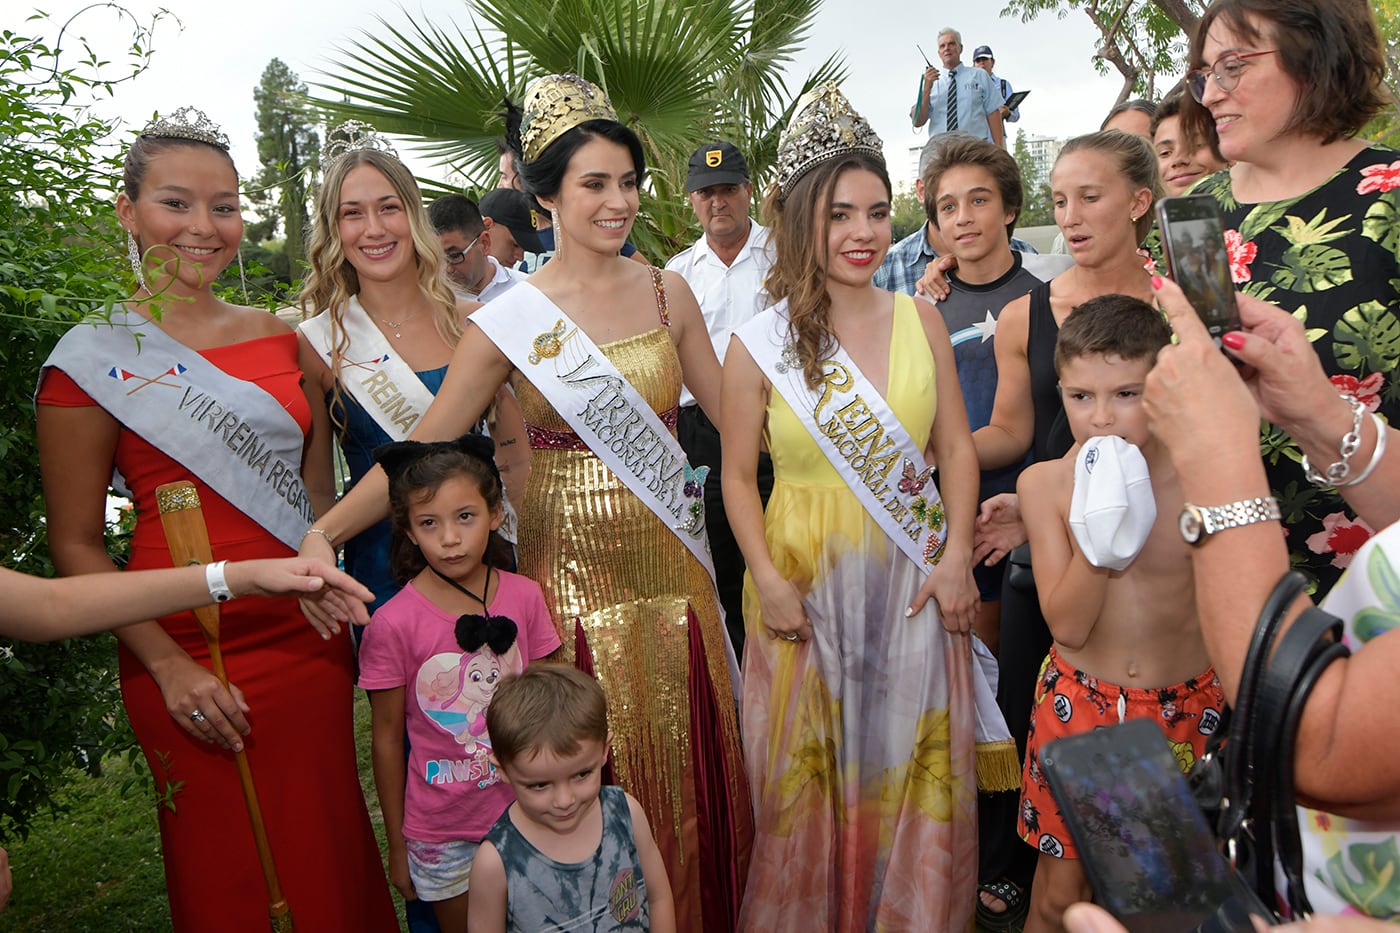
[289, 701]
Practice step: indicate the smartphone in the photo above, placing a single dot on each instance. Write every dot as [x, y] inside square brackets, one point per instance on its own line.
[1146, 849]
[1194, 239]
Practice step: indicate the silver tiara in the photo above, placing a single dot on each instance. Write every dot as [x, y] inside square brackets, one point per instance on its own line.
[824, 126]
[187, 123]
[352, 136]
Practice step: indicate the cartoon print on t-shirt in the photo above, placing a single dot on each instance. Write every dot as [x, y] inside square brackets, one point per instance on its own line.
[454, 689]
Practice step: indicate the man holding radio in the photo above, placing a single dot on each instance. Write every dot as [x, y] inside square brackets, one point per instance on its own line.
[958, 97]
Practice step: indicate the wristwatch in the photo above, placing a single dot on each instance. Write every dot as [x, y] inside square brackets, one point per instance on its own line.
[1199, 522]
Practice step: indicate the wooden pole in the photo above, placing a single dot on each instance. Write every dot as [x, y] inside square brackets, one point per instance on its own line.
[182, 517]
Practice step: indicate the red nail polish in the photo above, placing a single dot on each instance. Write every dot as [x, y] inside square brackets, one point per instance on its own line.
[1156, 282]
[1233, 339]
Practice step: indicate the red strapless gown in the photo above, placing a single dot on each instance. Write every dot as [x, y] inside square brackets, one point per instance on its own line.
[300, 689]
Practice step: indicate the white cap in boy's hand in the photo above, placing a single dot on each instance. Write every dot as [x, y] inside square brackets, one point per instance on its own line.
[1112, 509]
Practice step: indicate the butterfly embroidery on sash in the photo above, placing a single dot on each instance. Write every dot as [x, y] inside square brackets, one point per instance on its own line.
[695, 481]
[913, 483]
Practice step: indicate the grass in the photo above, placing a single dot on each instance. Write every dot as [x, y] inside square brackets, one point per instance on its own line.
[96, 867]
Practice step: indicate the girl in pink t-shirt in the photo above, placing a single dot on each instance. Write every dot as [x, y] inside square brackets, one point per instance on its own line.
[431, 660]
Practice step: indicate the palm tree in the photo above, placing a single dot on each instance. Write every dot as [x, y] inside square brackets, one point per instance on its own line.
[678, 72]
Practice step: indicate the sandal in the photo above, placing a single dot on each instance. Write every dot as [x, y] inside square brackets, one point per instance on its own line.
[1010, 894]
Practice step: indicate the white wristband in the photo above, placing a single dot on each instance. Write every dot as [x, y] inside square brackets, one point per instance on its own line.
[214, 579]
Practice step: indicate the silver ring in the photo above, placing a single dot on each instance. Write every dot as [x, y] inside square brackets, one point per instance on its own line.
[790, 636]
[197, 716]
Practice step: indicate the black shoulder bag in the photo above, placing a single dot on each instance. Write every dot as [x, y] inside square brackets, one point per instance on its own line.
[1248, 780]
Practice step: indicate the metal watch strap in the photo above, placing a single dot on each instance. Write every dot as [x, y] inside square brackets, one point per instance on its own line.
[1216, 518]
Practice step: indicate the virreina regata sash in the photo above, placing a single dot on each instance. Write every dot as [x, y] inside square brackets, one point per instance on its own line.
[859, 434]
[227, 431]
[603, 408]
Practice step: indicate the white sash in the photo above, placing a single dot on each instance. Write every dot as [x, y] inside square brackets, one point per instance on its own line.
[227, 431]
[855, 429]
[379, 380]
[604, 409]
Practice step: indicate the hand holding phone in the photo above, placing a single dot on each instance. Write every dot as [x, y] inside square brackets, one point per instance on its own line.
[1194, 240]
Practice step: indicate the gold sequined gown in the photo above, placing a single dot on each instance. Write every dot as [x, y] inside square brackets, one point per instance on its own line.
[647, 616]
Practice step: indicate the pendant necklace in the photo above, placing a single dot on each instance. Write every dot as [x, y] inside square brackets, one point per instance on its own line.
[395, 326]
[460, 588]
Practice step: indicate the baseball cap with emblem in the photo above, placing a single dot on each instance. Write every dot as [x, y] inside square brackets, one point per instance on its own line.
[511, 209]
[716, 164]
[983, 51]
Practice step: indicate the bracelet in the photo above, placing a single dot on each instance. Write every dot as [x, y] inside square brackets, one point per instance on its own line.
[323, 533]
[1351, 441]
[214, 579]
[1377, 455]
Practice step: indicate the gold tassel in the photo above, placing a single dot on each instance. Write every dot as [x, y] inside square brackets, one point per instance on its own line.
[998, 766]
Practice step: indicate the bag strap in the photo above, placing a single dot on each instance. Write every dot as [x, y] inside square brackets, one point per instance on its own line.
[1307, 649]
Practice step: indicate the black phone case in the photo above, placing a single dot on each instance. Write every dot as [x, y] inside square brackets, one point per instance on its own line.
[1150, 858]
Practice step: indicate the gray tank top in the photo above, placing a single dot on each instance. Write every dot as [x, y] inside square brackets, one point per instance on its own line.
[599, 895]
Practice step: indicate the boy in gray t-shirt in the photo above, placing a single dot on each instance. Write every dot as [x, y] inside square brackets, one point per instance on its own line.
[569, 854]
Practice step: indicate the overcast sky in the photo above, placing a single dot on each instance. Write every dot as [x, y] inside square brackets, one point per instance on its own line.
[216, 59]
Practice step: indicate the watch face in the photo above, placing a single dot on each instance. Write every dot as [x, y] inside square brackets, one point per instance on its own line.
[1190, 524]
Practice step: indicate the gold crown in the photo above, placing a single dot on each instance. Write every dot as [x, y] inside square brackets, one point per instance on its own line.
[187, 123]
[353, 135]
[556, 104]
[824, 126]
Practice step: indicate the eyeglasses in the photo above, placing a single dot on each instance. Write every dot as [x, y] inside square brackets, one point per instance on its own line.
[1226, 72]
[455, 258]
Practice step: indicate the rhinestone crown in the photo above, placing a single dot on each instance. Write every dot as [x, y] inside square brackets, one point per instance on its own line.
[187, 123]
[352, 136]
[824, 126]
[556, 104]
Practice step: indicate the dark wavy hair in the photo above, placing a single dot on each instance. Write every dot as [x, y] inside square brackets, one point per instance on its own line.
[418, 482]
[800, 219]
[1330, 48]
[980, 154]
[545, 174]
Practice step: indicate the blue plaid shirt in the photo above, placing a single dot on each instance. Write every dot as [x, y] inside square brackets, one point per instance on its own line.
[905, 262]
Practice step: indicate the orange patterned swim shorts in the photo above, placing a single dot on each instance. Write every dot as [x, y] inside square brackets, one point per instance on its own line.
[1070, 702]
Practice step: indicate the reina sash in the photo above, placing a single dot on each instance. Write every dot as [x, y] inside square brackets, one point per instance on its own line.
[381, 382]
[378, 379]
[859, 434]
[603, 408]
[227, 431]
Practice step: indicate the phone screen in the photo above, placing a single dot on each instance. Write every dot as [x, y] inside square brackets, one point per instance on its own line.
[1194, 239]
[1144, 845]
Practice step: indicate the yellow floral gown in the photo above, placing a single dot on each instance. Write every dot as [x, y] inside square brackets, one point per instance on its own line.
[640, 612]
[860, 743]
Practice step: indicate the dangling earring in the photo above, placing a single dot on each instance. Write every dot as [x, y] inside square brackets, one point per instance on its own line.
[558, 240]
[242, 278]
[133, 256]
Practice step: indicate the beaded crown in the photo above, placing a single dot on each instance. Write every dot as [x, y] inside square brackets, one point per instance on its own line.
[187, 123]
[824, 126]
[556, 104]
[352, 136]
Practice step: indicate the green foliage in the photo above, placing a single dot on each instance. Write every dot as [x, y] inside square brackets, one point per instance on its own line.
[906, 212]
[678, 72]
[1141, 41]
[60, 258]
[290, 152]
[1036, 207]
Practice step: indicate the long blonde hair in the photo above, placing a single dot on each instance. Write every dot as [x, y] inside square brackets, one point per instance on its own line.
[800, 220]
[331, 281]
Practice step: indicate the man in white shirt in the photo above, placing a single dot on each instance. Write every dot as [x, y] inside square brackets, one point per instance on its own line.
[471, 269]
[725, 269]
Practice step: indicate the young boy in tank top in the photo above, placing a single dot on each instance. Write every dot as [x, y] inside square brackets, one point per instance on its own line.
[1127, 642]
[569, 854]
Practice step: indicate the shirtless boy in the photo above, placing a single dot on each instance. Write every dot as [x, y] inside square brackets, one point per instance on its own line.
[1127, 643]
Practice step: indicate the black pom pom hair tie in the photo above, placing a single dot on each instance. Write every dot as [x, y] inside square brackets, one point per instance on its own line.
[396, 458]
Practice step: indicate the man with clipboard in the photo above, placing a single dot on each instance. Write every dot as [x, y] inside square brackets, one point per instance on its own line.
[1011, 109]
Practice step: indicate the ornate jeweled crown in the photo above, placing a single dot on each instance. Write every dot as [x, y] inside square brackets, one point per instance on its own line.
[556, 104]
[824, 126]
[187, 123]
[352, 136]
